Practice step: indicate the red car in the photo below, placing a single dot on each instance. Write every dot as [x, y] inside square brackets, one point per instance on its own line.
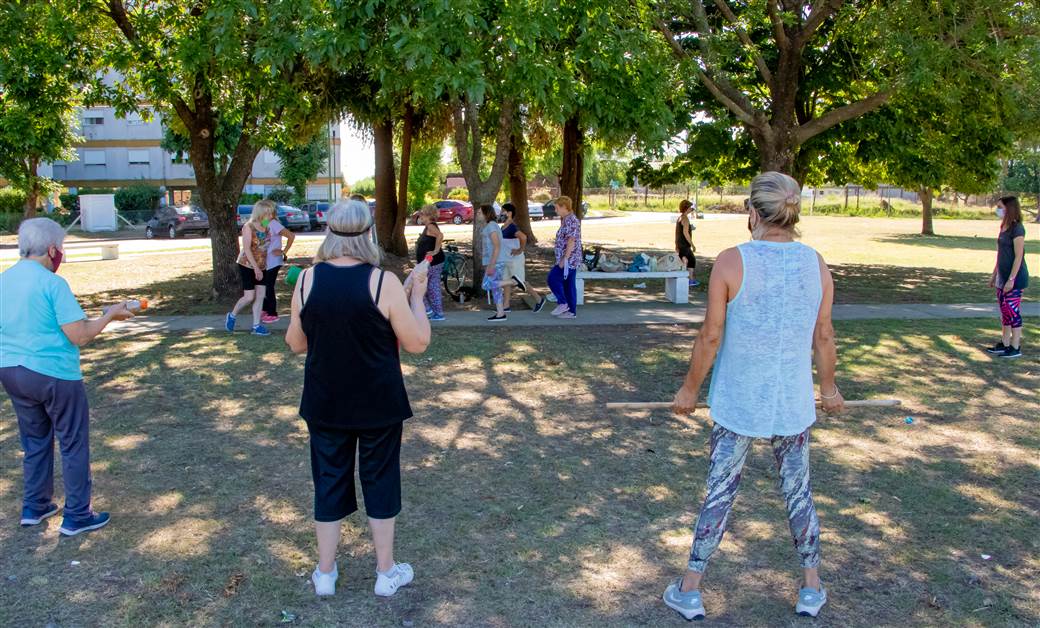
[455, 212]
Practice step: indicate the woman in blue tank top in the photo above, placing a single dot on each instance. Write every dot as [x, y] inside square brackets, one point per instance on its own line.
[768, 317]
[351, 318]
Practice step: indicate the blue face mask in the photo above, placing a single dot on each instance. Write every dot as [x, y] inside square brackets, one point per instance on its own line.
[1000, 212]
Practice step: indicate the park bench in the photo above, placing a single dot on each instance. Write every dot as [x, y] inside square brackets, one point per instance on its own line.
[108, 251]
[676, 282]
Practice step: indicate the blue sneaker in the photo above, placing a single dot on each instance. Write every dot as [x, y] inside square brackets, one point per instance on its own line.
[687, 604]
[72, 527]
[810, 601]
[429, 312]
[437, 317]
[694, 283]
[260, 330]
[229, 322]
[32, 517]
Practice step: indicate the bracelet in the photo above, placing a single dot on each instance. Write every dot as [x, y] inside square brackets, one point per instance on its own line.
[834, 396]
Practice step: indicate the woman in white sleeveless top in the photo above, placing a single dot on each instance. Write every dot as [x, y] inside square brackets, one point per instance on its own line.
[769, 315]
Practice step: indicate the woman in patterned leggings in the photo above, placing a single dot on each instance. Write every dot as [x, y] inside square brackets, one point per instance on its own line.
[1010, 277]
[772, 297]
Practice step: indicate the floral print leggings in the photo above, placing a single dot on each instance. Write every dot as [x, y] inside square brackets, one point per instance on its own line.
[433, 290]
[728, 452]
[1010, 307]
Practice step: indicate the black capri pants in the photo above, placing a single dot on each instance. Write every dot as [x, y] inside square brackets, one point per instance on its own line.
[332, 467]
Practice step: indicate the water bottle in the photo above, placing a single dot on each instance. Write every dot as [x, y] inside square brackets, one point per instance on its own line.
[134, 305]
[422, 269]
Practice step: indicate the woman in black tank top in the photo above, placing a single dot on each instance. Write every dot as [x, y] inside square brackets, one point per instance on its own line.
[351, 318]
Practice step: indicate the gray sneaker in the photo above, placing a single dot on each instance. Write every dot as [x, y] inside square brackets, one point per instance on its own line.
[810, 601]
[688, 604]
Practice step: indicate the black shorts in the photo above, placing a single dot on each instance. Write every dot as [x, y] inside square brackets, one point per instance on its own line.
[248, 276]
[332, 467]
[687, 254]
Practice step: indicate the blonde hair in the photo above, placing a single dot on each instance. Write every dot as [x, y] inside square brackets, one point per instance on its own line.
[349, 217]
[566, 202]
[262, 208]
[777, 199]
[430, 211]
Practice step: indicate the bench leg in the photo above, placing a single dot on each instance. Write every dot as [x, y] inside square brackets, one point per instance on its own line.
[677, 289]
[579, 291]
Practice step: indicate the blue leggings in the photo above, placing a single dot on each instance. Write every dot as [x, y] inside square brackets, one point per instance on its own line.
[564, 289]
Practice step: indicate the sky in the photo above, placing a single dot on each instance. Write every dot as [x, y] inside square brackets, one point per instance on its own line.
[357, 156]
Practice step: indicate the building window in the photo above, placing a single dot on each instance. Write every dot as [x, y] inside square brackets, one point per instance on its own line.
[94, 158]
[93, 121]
[134, 119]
[138, 157]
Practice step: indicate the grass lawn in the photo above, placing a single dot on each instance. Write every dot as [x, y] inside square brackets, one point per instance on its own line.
[526, 503]
[875, 260]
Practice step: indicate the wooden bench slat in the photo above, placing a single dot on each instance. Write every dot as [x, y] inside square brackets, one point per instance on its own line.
[592, 274]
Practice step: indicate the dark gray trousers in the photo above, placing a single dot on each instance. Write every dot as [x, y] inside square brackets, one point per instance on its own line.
[47, 406]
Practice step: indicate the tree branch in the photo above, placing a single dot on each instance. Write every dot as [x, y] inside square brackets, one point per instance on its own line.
[821, 10]
[779, 30]
[732, 99]
[760, 62]
[834, 117]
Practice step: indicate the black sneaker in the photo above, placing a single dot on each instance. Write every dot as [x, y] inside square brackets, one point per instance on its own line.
[997, 348]
[1011, 352]
[496, 318]
[538, 306]
[519, 284]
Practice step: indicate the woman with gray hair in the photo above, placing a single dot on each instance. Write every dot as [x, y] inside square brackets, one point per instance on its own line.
[769, 314]
[351, 318]
[42, 328]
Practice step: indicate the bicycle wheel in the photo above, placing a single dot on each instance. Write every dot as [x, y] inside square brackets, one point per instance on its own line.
[455, 277]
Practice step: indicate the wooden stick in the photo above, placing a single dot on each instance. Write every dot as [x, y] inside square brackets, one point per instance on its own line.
[650, 405]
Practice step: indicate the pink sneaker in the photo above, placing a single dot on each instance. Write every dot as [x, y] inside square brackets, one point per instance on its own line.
[267, 319]
[568, 314]
[560, 309]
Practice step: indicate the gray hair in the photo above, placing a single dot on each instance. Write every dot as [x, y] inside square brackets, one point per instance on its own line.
[36, 235]
[777, 199]
[349, 217]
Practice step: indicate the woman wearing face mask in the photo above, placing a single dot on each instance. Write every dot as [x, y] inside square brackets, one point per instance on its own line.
[769, 315]
[42, 328]
[1010, 277]
[252, 262]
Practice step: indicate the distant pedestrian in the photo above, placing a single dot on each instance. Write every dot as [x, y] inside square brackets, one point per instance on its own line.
[563, 276]
[42, 328]
[252, 262]
[1010, 277]
[276, 256]
[684, 239]
[515, 241]
[351, 318]
[494, 260]
[431, 242]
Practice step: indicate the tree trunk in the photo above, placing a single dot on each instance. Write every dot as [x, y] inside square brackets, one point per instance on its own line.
[572, 174]
[518, 185]
[386, 196]
[32, 196]
[926, 210]
[406, 158]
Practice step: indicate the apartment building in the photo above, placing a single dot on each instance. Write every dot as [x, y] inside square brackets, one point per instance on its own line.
[117, 152]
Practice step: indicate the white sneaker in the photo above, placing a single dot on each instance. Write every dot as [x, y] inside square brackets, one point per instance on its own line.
[325, 583]
[560, 309]
[398, 576]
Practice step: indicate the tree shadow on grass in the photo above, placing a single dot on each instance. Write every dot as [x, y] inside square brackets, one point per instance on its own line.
[973, 243]
[525, 502]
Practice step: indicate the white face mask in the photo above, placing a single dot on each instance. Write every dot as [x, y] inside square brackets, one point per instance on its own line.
[1000, 212]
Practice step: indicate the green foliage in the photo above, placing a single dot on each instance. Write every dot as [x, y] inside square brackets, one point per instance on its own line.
[282, 196]
[302, 163]
[1023, 171]
[9, 222]
[138, 198]
[46, 72]
[250, 198]
[459, 194]
[602, 168]
[69, 201]
[366, 187]
[11, 200]
[424, 175]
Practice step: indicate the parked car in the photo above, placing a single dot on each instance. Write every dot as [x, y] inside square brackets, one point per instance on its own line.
[535, 211]
[293, 218]
[455, 212]
[549, 209]
[174, 221]
[316, 212]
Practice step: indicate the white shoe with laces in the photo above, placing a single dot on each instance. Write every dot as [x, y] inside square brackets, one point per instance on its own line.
[325, 583]
[389, 582]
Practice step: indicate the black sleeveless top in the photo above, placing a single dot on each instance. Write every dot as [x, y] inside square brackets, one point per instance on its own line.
[681, 243]
[424, 245]
[352, 378]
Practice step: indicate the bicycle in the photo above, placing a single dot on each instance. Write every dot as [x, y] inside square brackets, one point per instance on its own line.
[458, 267]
